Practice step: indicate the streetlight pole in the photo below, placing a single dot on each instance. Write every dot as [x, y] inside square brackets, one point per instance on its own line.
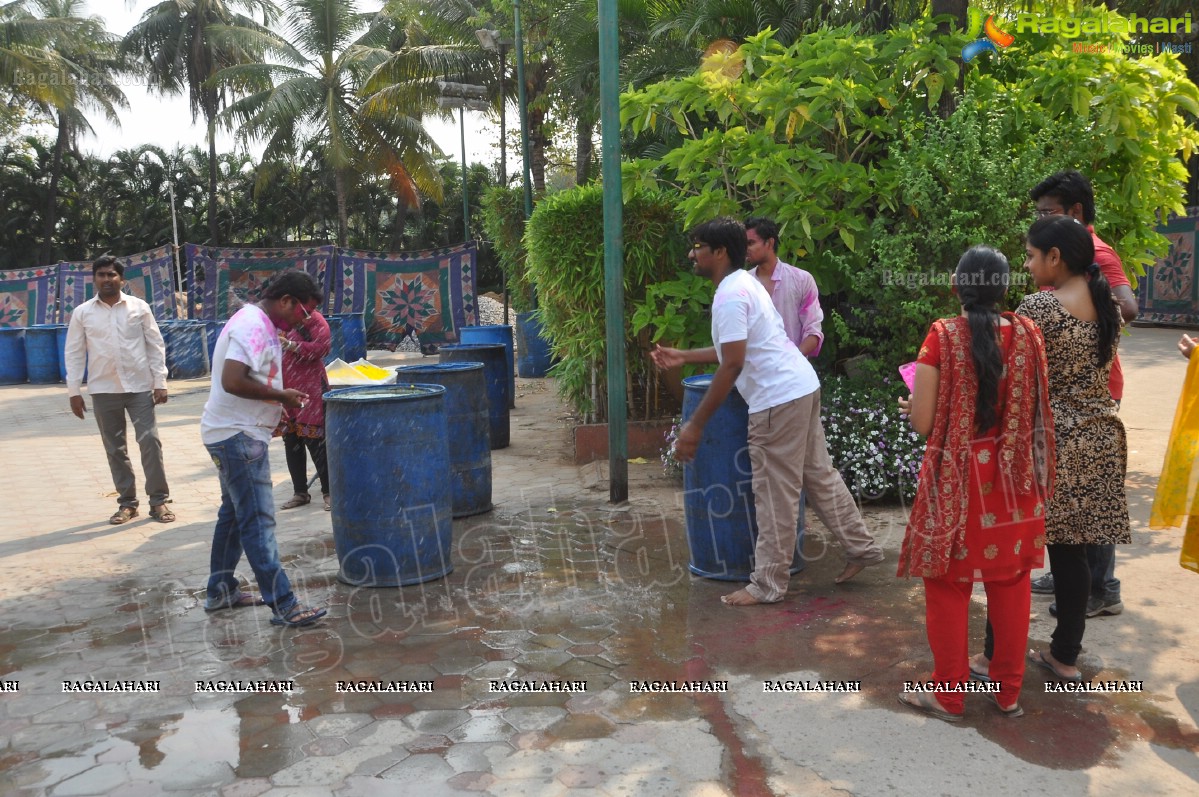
[524, 108]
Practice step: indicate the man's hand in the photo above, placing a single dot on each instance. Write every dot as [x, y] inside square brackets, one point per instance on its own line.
[294, 399]
[1186, 345]
[160, 395]
[688, 442]
[666, 357]
[78, 407]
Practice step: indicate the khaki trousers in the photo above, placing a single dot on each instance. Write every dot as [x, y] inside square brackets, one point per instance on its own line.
[787, 454]
[110, 409]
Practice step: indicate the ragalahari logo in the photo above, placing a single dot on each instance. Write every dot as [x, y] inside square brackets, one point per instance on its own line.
[980, 44]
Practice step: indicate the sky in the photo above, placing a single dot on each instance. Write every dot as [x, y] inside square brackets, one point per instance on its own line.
[166, 121]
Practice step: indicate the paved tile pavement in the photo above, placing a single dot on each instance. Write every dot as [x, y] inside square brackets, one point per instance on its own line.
[552, 586]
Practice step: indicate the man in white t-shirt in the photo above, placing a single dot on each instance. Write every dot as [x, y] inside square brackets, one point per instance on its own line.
[787, 452]
[243, 409]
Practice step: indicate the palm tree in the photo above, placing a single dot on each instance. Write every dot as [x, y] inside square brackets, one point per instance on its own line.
[185, 44]
[29, 73]
[92, 61]
[329, 51]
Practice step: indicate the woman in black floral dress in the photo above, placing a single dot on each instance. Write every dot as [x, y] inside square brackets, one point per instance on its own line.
[1081, 325]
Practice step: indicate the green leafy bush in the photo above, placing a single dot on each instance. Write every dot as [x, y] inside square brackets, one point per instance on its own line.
[565, 242]
[504, 222]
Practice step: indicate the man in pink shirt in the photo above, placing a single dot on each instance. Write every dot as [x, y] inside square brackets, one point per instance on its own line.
[1069, 193]
[792, 290]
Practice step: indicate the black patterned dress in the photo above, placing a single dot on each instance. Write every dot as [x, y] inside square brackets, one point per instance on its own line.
[1089, 504]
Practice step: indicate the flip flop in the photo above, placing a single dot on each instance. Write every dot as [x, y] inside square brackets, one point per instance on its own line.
[299, 499]
[981, 677]
[1012, 711]
[927, 703]
[298, 616]
[242, 600]
[1038, 658]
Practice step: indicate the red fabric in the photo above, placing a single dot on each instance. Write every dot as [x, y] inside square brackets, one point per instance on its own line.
[1113, 271]
[979, 508]
[947, 615]
[304, 369]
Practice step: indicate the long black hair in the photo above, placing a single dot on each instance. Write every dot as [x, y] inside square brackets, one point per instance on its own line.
[1077, 249]
[981, 281]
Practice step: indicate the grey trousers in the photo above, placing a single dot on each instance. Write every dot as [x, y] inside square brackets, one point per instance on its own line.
[788, 454]
[110, 409]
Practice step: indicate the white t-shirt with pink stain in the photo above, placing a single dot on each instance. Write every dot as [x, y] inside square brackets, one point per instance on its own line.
[248, 337]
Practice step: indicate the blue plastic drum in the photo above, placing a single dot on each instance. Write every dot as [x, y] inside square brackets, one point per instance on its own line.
[718, 499]
[494, 365]
[41, 354]
[495, 333]
[13, 370]
[389, 481]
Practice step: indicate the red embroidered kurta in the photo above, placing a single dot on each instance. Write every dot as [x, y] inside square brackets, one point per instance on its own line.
[304, 370]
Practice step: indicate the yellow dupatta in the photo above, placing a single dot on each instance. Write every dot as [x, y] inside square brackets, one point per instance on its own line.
[1177, 497]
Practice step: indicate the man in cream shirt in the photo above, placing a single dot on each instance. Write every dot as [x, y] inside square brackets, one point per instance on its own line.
[787, 452]
[115, 337]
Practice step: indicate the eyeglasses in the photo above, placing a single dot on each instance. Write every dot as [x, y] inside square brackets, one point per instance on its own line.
[1043, 212]
[695, 247]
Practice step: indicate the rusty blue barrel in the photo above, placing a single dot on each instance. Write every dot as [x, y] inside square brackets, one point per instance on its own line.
[718, 498]
[495, 333]
[41, 354]
[466, 412]
[494, 363]
[13, 369]
[389, 483]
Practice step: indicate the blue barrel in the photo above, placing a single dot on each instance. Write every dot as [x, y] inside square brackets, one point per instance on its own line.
[41, 354]
[718, 499]
[467, 415]
[495, 333]
[494, 364]
[353, 330]
[187, 348]
[212, 332]
[535, 356]
[13, 370]
[389, 479]
[337, 346]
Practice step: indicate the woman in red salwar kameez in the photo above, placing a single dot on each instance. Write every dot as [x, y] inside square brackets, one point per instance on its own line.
[981, 396]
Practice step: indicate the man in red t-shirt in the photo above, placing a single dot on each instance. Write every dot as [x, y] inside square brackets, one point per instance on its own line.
[1069, 193]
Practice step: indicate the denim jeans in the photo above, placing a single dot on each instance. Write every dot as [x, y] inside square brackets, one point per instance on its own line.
[246, 521]
[1104, 584]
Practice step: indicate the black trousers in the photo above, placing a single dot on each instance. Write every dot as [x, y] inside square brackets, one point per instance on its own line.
[297, 464]
[1071, 588]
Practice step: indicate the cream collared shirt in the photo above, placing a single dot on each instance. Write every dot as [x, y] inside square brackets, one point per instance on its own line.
[119, 345]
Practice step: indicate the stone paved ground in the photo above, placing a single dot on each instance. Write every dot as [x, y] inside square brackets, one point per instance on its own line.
[552, 585]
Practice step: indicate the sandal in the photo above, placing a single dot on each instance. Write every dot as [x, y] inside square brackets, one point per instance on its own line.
[163, 515]
[927, 703]
[328, 503]
[299, 499]
[1038, 658]
[123, 515]
[242, 600]
[298, 616]
[1012, 711]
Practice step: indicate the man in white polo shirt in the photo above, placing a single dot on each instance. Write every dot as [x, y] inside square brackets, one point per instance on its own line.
[787, 451]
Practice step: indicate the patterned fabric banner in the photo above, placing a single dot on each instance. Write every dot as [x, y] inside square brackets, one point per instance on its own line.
[1169, 291]
[148, 276]
[222, 280]
[430, 294]
[28, 296]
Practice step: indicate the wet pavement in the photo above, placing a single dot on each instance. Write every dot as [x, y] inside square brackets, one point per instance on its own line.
[553, 589]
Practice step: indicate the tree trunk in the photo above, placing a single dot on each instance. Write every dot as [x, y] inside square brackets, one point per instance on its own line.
[214, 228]
[584, 150]
[957, 10]
[50, 222]
[343, 219]
[401, 221]
[539, 140]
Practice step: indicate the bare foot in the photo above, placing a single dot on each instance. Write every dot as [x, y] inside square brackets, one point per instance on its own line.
[980, 665]
[1046, 660]
[739, 598]
[851, 570]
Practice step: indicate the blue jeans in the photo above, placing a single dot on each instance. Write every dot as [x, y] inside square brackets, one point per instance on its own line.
[246, 521]
[1102, 561]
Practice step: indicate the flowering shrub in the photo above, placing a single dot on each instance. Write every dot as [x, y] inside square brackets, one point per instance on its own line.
[671, 466]
[875, 449]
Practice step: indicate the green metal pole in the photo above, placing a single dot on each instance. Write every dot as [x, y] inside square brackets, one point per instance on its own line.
[465, 198]
[524, 109]
[618, 432]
